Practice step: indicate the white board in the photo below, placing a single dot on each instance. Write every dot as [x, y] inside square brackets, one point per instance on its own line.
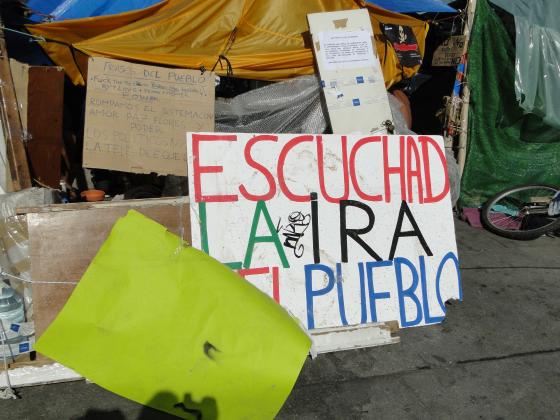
[351, 75]
[377, 244]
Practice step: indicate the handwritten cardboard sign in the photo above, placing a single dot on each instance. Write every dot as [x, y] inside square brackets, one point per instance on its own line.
[340, 230]
[449, 53]
[137, 115]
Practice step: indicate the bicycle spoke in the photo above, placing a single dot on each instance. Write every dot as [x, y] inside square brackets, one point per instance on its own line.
[520, 213]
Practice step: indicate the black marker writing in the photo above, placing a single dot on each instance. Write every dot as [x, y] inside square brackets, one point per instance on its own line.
[294, 231]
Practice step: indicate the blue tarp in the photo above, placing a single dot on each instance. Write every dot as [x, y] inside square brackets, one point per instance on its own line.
[75, 9]
[413, 6]
[42, 6]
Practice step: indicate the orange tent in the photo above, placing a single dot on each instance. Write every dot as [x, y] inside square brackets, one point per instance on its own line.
[266, 40]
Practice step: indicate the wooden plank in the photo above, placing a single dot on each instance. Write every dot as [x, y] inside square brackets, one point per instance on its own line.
[13, 132]
[146, 202]
[63, 243]
[40, 96]
[327, 340]
[5, 177]
[39, 375]
[20, 77]
[44, 116]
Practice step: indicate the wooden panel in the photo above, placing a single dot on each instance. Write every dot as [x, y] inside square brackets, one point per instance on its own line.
[63, 242]
[17, 157]
[44, 123]
[20, 77]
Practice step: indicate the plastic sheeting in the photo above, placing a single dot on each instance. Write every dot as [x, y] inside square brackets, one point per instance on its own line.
[30, 197]
[262, 40]
[537, 63]
[414, 6]
[77, 9]
[15, 259]
[293, 106]
[506, 146]
[14, 238]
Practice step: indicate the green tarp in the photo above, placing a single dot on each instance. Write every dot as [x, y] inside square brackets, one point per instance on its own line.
[506, 147]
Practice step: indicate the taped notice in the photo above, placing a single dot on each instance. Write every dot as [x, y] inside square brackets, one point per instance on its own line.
[346, 49]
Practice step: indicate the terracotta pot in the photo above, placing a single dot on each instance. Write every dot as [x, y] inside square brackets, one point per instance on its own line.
[93, 195]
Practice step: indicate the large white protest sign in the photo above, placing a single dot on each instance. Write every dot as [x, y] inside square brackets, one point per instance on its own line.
[340, 230]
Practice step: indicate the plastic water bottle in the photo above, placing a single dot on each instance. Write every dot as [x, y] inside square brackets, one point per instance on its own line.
[11, 307]
[11, 312]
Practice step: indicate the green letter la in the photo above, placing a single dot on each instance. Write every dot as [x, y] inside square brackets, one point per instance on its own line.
[254, 239]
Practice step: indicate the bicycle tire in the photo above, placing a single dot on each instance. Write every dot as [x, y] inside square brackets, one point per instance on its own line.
[525, 235]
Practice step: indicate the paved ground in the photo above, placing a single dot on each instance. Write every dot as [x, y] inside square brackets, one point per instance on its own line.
[497, 356]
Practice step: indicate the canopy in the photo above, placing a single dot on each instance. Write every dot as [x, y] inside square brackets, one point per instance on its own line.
[414, 6]
[265, 39]
[76, 9]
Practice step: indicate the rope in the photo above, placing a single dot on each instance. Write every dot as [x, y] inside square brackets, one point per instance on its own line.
[55, 41]
[34, 37]
[226, 49]
[229, 72]
[8, 393]
[5, 274]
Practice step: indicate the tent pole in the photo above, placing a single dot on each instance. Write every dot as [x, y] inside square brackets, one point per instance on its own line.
[463, 137]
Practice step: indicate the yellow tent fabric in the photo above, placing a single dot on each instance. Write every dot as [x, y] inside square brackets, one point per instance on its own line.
[265, 40]
[62, 34]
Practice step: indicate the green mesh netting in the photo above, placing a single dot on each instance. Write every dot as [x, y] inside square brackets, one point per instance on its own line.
[506, 147]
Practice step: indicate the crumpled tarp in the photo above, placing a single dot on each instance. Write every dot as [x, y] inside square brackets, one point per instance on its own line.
[262, 40]
[537, 62]
[506, 147]
[77, 9]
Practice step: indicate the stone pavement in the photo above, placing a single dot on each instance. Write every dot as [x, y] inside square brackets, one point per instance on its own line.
[497, 355]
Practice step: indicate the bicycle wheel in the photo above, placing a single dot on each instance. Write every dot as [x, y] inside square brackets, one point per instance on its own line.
[521, 212]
